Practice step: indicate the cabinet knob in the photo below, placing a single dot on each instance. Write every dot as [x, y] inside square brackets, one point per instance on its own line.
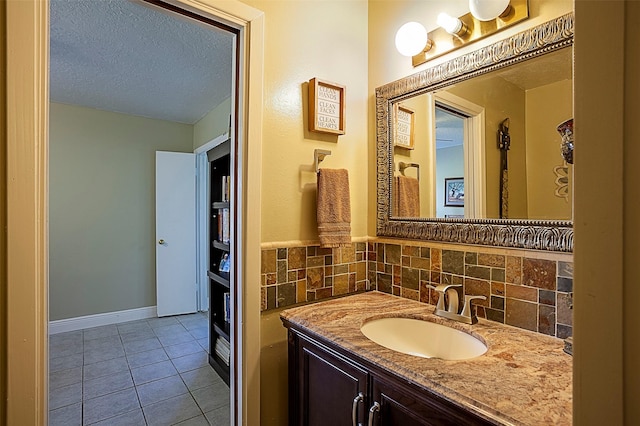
[372, 412]
[161, 242]
[354, 409]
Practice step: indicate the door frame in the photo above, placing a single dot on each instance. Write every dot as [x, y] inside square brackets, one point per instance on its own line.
[27, 106]
[475, 205]
[203, 198]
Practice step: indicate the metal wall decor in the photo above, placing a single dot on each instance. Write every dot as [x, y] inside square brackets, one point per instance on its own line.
[527, 234]
[561, 181]
[504, 144]
[566, 132]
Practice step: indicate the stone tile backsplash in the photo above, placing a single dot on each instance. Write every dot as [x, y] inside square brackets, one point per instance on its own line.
[299, 274]
[522, 288]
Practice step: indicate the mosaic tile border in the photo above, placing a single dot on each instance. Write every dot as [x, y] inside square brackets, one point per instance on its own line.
[292, 275]
[524, 289]
[526, 292]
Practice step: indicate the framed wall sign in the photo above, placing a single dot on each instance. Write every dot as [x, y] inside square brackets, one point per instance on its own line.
[404, 127]
[326, 107]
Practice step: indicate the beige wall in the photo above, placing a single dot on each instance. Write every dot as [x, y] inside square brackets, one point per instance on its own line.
[273, 366]
[27, 200]
[102, 208]
[631, 225]
[422, 152]
[546, 107]
[326, 39]
[3, 220]
[607, 214]
[212, 125]
[501, 100]
[535, 144]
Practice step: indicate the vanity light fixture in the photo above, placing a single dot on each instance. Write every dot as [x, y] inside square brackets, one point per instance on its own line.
[486, 18]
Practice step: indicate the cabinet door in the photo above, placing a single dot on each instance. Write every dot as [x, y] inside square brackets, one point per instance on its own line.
[401, 405]
[327, 386]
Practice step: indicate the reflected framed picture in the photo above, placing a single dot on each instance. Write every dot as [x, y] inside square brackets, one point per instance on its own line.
[454, 192]
[404, 126]
[225, 263]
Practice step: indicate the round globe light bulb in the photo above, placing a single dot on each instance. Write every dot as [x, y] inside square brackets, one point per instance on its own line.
[487, 10]
[411, 39]
[449, 23]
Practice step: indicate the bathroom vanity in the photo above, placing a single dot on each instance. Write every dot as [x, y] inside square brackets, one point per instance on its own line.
[338, 376]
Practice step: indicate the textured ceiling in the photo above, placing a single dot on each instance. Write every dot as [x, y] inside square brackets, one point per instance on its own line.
[449, 129]
[540, 71]
[129, 57]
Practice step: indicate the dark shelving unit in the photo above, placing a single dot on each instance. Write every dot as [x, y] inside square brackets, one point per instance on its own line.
[219, 281]
[220, 246]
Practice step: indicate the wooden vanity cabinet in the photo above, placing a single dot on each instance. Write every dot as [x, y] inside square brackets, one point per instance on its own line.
[400, 404]
[326, 383]
[323, 385]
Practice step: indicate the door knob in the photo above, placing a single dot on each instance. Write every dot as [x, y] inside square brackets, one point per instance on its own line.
[160, 242]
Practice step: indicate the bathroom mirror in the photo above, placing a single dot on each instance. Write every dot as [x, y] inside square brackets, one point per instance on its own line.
[441, 175]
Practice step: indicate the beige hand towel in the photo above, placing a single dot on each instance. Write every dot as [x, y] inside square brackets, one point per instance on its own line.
[407, 196]
[334, 208]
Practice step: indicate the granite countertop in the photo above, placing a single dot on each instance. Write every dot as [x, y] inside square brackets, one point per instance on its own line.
[524, 378]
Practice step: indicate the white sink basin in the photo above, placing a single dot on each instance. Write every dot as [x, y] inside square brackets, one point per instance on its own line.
[423, 338]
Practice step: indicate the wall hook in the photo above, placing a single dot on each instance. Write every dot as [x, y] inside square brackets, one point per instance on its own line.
[318, 156]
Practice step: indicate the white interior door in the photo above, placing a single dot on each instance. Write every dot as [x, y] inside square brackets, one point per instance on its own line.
[176, 288]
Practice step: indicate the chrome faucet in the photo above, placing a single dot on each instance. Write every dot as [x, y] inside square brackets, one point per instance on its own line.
[450, 311]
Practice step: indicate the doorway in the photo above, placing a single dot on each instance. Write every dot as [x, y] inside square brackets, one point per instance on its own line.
[459, 137]
[135, 105]
[36, 24]
[27, 103]
[450, 164]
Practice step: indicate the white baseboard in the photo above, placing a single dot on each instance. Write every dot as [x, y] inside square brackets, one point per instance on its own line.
[107, 318]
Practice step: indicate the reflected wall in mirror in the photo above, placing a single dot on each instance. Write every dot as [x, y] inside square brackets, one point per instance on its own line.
[518, 197]
[535, 96]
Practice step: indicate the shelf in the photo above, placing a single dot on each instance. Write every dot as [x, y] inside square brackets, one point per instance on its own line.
[221, 205]
[220, 367]
[221, 246]
[220, 151]
[220, 277]
[214, 359]
[219, 282]
[223, 331]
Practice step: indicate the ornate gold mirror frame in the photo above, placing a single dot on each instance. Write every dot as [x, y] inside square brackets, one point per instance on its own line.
[527, 234]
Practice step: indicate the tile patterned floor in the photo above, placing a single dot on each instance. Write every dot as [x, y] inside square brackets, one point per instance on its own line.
[147, 372]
